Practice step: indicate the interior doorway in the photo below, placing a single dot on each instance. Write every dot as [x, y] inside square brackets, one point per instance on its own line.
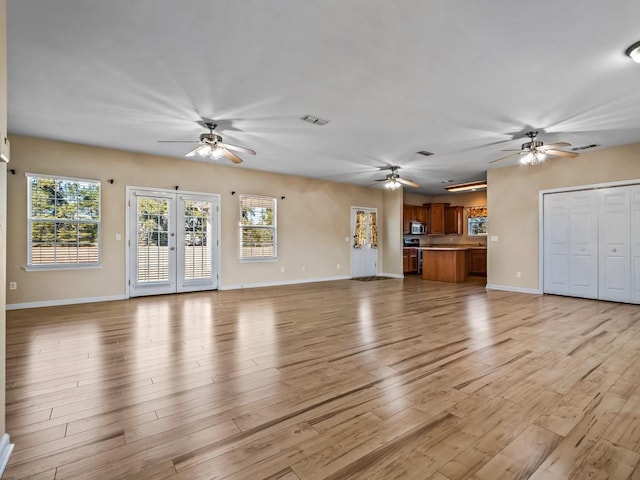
[172, 239]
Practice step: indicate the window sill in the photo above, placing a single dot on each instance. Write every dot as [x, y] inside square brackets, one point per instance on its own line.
[48, 268]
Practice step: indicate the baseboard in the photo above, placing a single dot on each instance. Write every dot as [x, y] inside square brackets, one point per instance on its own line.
[508, 288]
[64, 301]
[6, 447]
[281, 282]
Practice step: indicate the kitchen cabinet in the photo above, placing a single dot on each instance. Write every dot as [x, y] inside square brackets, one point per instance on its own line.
[412, 213]
[436, 218]
[477, 259]
[407, 214]
[453, 221]
[410, 260]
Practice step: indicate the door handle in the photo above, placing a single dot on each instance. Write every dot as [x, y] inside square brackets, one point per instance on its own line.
[613, 250]
[172, 248]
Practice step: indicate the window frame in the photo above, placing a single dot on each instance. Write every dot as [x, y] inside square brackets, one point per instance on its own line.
[31, 220]
[273, 228]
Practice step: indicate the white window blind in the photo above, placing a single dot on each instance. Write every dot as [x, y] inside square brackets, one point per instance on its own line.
[257, 227]
[63, 221]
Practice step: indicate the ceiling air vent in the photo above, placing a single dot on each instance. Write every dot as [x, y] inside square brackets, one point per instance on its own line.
[315, 120]
[585, 147]
[425, 153]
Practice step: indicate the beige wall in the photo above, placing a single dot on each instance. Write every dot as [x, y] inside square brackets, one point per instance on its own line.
[465, 199]
[513, 203]
[3, 203]
[392, 232]
[313, 219]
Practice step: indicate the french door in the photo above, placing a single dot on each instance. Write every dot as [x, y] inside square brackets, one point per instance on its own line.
[173, 242]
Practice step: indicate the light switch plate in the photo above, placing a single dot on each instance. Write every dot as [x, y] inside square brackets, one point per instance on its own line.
[494, 238]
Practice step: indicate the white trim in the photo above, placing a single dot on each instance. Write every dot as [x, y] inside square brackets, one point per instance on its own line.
[6, 447]
[282, 282]
[592, 186]
[64, 301]
[509, 288]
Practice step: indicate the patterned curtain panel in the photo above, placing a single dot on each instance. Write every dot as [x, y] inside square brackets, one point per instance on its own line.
[475, 212]
[374, 230]
[361, 230]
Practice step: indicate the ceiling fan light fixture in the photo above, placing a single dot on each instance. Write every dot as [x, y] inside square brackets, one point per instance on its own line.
[392, 184]
[463, 187]
[633, 52]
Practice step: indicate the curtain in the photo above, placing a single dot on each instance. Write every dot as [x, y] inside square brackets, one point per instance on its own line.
[360, 238]
[374, 229]
[475, 212]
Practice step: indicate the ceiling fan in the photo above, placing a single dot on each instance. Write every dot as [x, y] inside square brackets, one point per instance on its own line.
[393, 180]
[534, 152]
[211, 146]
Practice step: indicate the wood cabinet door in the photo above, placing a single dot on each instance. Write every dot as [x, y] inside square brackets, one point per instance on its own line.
[477, 262]
[421, 214]
[407, 213]
[453, 224]
[436, 219]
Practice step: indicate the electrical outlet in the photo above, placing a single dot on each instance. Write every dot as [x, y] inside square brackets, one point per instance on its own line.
[518, 275]
[282, 269]
[494, 238]
[13, 285]
[118, 237]
[338, 266]
[304, 268]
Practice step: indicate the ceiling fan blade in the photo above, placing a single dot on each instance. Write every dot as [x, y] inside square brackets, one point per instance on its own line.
[406, 181]
[193, 152]
[177, 141]
[231, 156]
[381, 180]
[557, 145]
[513, 150]
[504, 158]
[561, 153]
[239, 149]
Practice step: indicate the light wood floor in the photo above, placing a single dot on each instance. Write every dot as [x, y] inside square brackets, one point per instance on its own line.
[387, 379]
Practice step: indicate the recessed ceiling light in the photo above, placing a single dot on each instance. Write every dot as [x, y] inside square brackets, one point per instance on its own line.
[425, 153]
[315, 120]
[633, 52]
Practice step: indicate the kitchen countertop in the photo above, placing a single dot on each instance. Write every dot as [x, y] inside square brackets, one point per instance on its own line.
[452, 247]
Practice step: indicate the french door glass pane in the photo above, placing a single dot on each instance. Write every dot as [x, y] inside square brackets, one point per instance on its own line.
[153, 239]
[197, 239]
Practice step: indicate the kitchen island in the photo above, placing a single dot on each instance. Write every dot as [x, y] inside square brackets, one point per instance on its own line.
[445, 263]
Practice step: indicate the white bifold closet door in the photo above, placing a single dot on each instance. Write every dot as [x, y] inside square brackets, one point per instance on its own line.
[571, 243]
[615, 244]
[591, 243]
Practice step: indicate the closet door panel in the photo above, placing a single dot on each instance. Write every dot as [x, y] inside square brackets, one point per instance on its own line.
[583, 232]
[556, 243]
[615, 244]
[634, 192]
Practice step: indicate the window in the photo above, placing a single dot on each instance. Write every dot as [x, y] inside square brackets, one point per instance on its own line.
[64, 222]
[477, 221]
[257, 228]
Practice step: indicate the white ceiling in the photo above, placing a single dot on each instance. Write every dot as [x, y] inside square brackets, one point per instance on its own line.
[462, 79]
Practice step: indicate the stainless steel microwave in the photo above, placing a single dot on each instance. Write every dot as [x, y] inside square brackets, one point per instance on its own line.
[418, 228]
